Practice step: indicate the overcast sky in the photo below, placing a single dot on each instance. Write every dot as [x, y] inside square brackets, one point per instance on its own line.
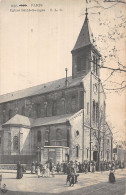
[35, 47]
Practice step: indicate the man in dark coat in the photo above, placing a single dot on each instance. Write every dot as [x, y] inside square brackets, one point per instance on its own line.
[19, 171]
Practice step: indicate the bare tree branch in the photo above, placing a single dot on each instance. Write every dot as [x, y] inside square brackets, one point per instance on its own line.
[116, 88]
[115, 69]
[112, 1]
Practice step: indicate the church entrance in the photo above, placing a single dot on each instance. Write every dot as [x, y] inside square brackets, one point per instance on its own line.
[95, 156]
[52, 155]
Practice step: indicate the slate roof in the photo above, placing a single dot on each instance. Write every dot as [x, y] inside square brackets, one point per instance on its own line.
[40, 89]
[52, 120]
[19, 120]
[85, 37]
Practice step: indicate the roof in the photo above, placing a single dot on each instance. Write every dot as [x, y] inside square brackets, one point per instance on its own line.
[85, 37]
[52, 120]
[40, 89]
[19, 120]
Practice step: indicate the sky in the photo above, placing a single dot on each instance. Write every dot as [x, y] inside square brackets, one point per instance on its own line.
[35, 47]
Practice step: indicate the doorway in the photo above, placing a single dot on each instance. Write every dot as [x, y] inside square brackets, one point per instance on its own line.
[52, 156]
[95, 156]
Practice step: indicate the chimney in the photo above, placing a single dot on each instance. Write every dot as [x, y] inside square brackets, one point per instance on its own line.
[66, 81]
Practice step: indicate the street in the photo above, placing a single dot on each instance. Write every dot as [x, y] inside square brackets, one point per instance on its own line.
[88, 184]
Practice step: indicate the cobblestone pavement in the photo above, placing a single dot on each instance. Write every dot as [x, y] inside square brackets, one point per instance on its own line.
[88, 184]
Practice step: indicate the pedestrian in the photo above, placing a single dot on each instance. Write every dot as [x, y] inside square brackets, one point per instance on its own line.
[38, 171]
[112, 176]
[36, 166]
[47, 171]
[33, 168]
[58, 167]
[53, 171]
[19, 171]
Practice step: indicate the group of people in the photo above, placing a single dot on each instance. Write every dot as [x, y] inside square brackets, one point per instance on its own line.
[71, 169]
[43, 170]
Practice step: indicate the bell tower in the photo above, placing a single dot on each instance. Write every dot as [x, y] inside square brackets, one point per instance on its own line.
[84, 51]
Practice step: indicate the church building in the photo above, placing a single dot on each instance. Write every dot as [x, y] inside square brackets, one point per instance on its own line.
[61, 120]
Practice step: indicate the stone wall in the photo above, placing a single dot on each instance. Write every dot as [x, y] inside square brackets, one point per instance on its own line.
[54, 103]
[53, 135]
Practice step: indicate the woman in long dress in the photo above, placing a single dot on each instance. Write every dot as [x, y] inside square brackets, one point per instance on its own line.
[38, 171]
[33, 168]
[47, 171]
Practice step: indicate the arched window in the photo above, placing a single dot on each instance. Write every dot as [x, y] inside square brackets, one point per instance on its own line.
[39, 136]
[58, 134]
[15, 142]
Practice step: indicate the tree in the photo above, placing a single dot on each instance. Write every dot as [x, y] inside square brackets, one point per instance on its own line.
[108, 41]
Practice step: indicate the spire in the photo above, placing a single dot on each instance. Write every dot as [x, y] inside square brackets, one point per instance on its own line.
[86, 14]
[85, 37]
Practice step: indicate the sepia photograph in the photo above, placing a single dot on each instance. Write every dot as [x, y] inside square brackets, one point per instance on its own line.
[63, 97]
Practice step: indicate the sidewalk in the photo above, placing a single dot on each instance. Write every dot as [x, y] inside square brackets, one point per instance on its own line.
[30, 183]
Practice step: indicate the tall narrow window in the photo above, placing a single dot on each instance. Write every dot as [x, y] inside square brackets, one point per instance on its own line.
[73, 103]
[97, 112]
[39, 136]
[107, 156]
[47, 139]
[10, 113]
[54, 108]
[94, 110]
[78, 64]
[4, 116]
[77, 151]
[68, 138]
[63, 106]
[45, 108]
[38, 110]
[15, 142]
[23, 111]
[93, 63]
[87, 153]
